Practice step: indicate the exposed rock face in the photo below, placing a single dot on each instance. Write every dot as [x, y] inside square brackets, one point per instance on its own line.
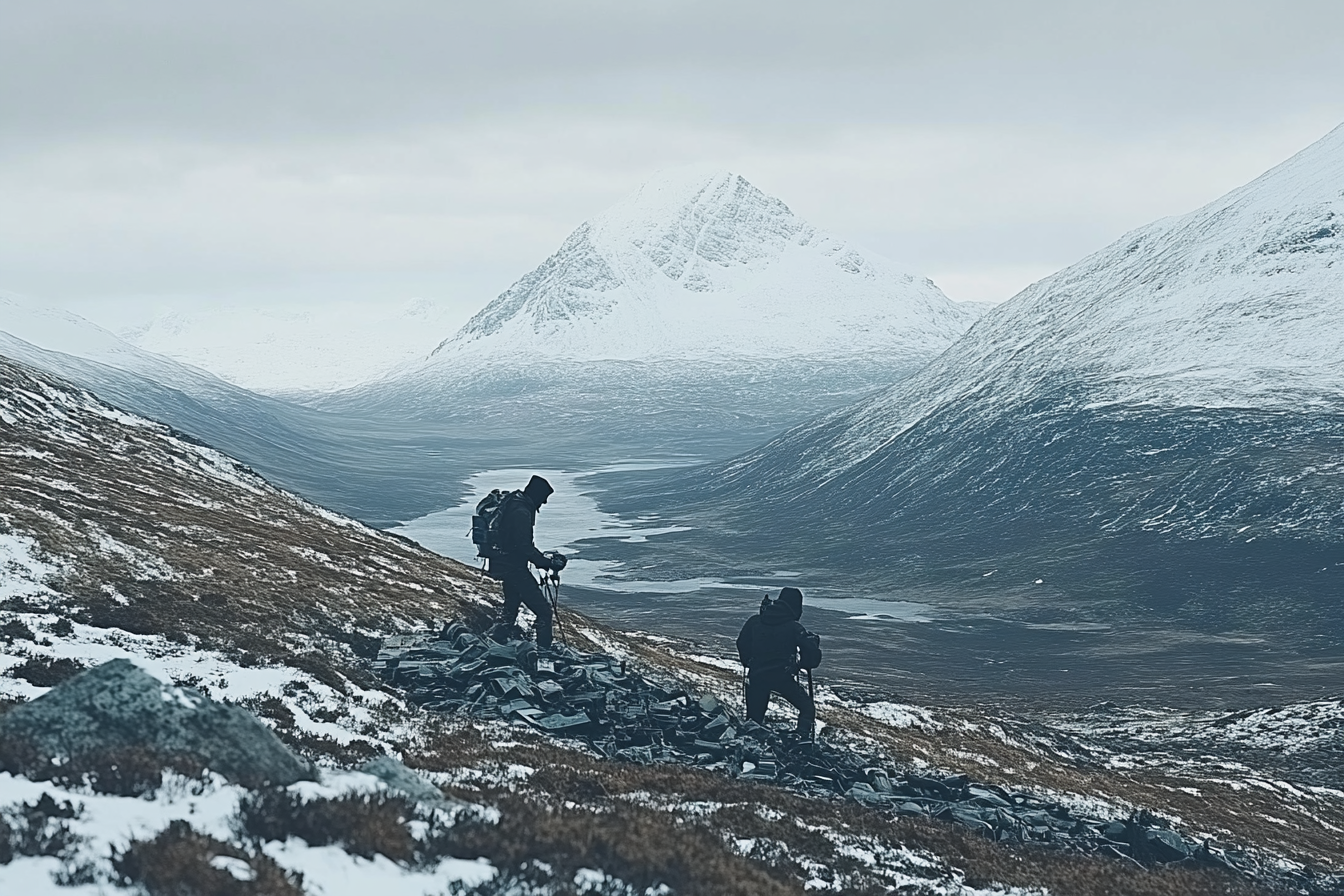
[116, 706]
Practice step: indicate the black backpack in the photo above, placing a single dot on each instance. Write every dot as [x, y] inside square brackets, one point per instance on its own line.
[485, 523]
[809, 651]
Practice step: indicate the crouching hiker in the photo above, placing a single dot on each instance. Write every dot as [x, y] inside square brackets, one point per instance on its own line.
[773, 646]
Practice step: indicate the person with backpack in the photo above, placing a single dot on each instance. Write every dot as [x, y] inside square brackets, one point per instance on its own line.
[773, 646]
[511, 549]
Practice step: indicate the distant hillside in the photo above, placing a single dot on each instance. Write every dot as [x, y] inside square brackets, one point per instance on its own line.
[381, 472]
[1158, 426]
[288, 349]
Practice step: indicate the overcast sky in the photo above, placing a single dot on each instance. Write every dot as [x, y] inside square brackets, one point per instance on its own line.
[167, 152]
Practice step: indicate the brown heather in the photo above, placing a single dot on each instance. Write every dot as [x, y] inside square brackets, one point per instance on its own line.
[265, 578]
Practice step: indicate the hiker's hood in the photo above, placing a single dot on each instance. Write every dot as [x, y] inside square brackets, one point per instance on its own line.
[537, 491]
[787, 605]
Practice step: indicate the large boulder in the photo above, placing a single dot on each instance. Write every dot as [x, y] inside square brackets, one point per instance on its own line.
[118, 709]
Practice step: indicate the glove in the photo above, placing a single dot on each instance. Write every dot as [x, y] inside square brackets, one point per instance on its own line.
[558, 561]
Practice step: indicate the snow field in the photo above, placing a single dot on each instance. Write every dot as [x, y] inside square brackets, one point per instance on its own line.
[109, 822]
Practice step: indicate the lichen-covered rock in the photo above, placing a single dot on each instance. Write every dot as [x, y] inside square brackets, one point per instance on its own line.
[118, 707]
[403, 780]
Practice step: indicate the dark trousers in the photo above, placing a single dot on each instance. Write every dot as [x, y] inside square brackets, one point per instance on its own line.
[761, 683]
[521, 589]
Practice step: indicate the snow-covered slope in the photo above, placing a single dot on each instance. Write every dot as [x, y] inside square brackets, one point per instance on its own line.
[1157, 422]
[31, 331]
[696, 318]
[380, 473]
[1238, 304]
[695, 267]
[297, 348]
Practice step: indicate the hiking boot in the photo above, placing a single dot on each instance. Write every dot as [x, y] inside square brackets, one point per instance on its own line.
[503, 634]
[795, 741]
[559, 652]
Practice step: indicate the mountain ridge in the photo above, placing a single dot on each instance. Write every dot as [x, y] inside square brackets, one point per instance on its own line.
[1200, 338]
[699, 268]
[27, 324]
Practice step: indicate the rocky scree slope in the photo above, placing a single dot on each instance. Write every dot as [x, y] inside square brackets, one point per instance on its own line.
[123, 540]
[1160, 420]
[626, 714]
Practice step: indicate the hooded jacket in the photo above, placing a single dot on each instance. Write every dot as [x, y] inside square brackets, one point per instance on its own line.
[517, 525]
[770, 639]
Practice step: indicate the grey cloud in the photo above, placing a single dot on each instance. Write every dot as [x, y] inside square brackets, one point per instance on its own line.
[250, 70]
[157, 145]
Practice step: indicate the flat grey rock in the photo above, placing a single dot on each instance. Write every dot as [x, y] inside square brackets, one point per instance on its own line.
[403, 780]
[117, 706]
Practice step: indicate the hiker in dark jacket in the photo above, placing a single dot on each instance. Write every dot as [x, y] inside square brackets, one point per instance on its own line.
[769, 646]
[519, 517]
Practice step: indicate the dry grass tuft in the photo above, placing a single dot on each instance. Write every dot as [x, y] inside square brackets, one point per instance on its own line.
[183, 862]
[12, 630]
[641, 846]
[317, 747]
[132, 771]
[45, 672]
[365, 824]
[40, 828]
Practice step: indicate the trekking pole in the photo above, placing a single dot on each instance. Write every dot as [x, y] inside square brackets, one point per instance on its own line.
[552, 588]
[812, 695]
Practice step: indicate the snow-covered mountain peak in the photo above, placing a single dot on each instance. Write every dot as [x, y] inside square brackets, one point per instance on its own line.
[696, 266]
[1313, 177]
[684, 221]
[1239, 304]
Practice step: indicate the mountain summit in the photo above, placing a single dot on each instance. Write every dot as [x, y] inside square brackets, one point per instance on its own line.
[691, 267]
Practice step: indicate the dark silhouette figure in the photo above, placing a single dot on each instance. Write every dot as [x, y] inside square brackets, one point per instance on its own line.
[769, 646]
[517, 520]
